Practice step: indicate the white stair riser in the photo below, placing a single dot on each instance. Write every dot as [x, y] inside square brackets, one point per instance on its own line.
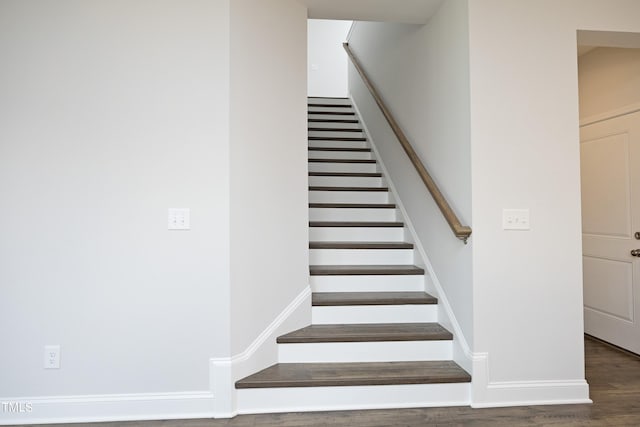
[384, 351]
[361, 155]
[316, 115]
[329, 315]
[339, 134]
[342, 167]
[356, 234]
[321, 100]
[345, 181]
[360, 256]
[331, 144]
[408, 283]
[332, 109]
[296, 399]
[333, 125]
[348, 196]
[348, 214]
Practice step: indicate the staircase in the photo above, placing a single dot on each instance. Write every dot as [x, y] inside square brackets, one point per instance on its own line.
[374, 341]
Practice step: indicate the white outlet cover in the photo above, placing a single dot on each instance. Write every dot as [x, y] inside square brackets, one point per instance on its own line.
[179, 219]
[516, 219]
[51, 357]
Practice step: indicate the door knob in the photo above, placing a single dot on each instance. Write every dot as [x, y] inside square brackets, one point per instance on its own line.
[637, 235]
[635, 252]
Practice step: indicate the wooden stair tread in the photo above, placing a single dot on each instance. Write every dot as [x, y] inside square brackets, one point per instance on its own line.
[366, 161]
[365, 270]
[355, 374]
[334, 113]
[327, 97]
[312, 129]
[333, 120]
[374, 189]
[353, 205]
[355, 150]
[360, 245]
[337, 138]
[332, 299]
[367, 332]
[330, 105]
[348, 174]
[374, 224]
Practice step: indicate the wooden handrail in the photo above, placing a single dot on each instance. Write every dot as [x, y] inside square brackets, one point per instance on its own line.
[461, 231]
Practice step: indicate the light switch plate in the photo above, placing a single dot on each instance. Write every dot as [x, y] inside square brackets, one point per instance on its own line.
[515, 219]
[179, 219]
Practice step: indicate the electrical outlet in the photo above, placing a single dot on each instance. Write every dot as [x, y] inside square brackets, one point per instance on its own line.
[515, 219]
[51, 357]
[179, 219]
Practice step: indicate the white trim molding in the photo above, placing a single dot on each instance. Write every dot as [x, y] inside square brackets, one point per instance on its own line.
[351, 29]
[262, 353]
[111, 407]
[492, 394]
[627, 109]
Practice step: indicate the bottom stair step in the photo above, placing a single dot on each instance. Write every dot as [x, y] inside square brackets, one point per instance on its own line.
[355, 374]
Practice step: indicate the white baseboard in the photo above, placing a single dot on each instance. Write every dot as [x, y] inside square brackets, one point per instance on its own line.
[492, 394]
[115, 407]
[262, 353]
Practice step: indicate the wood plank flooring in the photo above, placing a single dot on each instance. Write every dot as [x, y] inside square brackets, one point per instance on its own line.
[614, 378]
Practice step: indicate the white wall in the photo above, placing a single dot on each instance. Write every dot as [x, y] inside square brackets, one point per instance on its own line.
[110, 113]
[522, 105]
[525, 154]
[269, 190]
[327, 60]
[422, 73]
[609, 79]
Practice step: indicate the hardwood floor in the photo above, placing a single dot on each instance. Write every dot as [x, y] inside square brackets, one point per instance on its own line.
[614, 378]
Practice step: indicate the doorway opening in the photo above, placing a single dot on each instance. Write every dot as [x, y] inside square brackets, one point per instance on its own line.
[609, 91]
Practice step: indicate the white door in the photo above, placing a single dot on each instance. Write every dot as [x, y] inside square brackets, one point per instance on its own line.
[610, 175]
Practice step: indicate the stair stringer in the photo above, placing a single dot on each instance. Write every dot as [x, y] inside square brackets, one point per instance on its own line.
[462, 353]
[261, 353]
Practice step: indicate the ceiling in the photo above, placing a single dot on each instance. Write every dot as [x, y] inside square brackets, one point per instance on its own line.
[407, 11]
